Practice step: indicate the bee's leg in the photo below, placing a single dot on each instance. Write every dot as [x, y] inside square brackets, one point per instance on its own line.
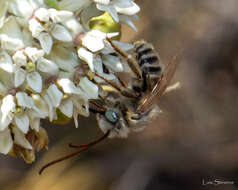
[121, 81]
[97, 108]
[125, 92]
[130, 59]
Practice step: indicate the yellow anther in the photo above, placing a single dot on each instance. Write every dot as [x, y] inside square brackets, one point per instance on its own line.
[30, 67]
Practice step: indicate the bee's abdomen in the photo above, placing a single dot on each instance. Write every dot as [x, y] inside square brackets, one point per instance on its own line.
[149, 63]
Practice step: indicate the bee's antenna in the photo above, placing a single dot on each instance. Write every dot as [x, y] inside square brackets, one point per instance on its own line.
[91, 143]
[83, 148]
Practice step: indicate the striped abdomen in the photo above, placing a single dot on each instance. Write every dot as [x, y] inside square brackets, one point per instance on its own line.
[149, 63]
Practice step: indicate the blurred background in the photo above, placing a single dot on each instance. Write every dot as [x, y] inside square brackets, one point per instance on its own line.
[193, 142]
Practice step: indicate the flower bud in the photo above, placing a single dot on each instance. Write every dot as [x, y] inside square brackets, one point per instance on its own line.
[106, 24]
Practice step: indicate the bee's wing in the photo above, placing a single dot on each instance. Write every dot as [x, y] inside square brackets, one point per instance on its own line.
[160, 86]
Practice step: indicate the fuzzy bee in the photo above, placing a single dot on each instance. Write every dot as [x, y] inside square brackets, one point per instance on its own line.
[132, 107]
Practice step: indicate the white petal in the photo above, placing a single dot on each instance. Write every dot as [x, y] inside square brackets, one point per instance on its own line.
[123, 3]
[60, 16]
[89, 87]
[8, 106]
[128, 20]
[97, 62]
[66, 107]
[8, 43]
[113, 63]
[73, 5]
[73, 26]
[113, 34]
[86, 56]
[41, 105]
[46, 42]
[129, 10]
[3, 11]
[19, 138]
[35, 27]
[124, 46]
[35, 4]
[93, 44]
[110, 9]
[19, 58]
[64, 58]
[42, 14]
[97, 34]
[11, 35]
[34, 80]
[61, 33]
[104, 2]
[50, 107]
[27, 38]
[6, 122]
[35, 124]
[47, 66]
[21, 8]
[19, 76]
[69, 87]
[80, 106]
[24, 100]
[34, 54]
[6, 62]
[55, 95]
[99, 69]
[22, 122]
[75, 115]
[94, 41]
[6, 142]
[3, 88]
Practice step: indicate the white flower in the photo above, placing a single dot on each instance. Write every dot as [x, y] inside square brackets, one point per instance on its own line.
[77, 97]
[47, 25]
[14, 112]
[113, 7]
[33, 62]
[94, 41]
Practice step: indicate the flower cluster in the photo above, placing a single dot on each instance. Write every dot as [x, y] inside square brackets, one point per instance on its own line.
[48, 56]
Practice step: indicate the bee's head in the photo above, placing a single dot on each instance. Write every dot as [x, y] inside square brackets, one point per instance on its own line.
[113, 120]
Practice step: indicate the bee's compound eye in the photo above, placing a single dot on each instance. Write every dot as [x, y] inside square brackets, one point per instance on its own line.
[111, 116]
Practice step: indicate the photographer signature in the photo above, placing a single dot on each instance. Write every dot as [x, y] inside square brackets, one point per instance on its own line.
[217, 182]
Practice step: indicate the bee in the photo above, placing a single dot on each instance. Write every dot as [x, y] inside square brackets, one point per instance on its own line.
[133, 107]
